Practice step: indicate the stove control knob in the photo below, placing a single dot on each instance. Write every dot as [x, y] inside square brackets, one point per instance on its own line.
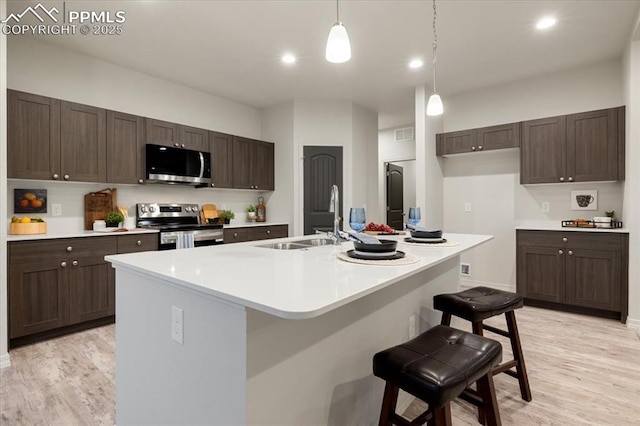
[143, 209]
[194, 208]
[188, 208]
[152, 209]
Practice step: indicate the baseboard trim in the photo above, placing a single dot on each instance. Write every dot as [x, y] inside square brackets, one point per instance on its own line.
[467, 284]
[5, 361]
[633, 323]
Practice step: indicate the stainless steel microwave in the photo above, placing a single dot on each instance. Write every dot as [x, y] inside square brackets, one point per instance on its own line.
[165, 164]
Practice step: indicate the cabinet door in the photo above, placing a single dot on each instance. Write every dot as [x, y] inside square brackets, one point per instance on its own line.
[540, 272]
[125, 148]
[593, 279]
[235, 235]
[242, 153]
[459, 142]
[498, 137]
[83, 138]
[138, 242]
[221, 159]
[33, 135]
[194, 138]
[163, 133]
[543, 151]
[38, 297]
[262, 166]
[592, 146]
[91, 289]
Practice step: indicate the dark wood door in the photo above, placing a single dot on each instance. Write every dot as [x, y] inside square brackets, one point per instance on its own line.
[395, 196]
[540, 272]
[498, 137]
[91, 289]
[459, 142]
[33, 135]
[242, 152]
[592, 146]
[593, 278]
[83, 138]
[221, 146]
[163, 133]
[322, 170]
[543, 151]
[194, 138]
[125, 148]
[262, 166]
[38, 296]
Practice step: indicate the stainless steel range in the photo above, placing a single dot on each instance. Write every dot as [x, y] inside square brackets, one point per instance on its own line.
[175, 221]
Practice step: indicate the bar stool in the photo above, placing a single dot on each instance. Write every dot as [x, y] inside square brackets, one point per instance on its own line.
[480, 303]
[436, 367]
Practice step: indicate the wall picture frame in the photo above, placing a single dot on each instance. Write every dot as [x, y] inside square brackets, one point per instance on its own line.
[29, 201]
[586, 199]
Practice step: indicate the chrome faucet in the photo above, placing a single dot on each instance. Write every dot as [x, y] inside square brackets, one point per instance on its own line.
[334, 206]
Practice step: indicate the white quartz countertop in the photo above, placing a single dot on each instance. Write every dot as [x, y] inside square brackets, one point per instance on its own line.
[252, 224]
[78, 234]
[557, 226]
[293, 284]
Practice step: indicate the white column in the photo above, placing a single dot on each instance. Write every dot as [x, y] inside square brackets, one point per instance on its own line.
[4, 355]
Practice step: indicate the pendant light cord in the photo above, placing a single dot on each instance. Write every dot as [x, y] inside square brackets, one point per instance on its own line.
[337, 11]
[435, 45]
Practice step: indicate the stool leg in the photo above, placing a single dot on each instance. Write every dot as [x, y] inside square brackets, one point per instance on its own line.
[446, 319]
[388, 404]
[441, 416]
[516, 347]
[489, 402]
[476, 327]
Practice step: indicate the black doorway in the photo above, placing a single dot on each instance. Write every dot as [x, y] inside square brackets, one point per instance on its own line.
[395, 196]
[322, 170]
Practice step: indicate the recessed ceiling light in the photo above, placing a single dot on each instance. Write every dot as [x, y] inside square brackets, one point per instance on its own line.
[288, 58]
[416, 63]
[546, 22]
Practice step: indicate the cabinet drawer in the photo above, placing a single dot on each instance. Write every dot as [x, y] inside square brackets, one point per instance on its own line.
[540, 238]
[268, 232]
[235, 235]
[136, 243]
[35, 251]
[599, 240]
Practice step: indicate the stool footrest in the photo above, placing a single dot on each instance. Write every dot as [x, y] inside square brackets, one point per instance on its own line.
[472, 397]
[506, 368]
[496, 330]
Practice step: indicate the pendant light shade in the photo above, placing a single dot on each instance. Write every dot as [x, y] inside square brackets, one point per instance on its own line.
[434, 106]
[338, 45]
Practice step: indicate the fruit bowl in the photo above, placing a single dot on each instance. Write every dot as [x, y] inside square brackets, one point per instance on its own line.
[27, 228]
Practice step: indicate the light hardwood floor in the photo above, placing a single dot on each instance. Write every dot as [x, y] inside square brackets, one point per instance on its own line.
[583, 371]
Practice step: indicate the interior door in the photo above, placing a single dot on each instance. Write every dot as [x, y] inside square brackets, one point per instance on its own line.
[395, 196]
[322, 170]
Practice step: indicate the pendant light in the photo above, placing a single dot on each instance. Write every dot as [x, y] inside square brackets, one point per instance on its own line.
[434, 106]
[338, 46]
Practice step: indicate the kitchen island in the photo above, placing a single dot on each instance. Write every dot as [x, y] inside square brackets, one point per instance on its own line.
[268, 336]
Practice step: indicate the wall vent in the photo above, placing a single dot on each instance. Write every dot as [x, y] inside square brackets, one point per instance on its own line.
[404, 134]
[465, 269]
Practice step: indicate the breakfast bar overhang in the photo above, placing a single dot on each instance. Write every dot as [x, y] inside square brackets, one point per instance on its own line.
[269, 336]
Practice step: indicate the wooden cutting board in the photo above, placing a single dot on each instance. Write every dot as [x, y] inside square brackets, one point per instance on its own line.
[97, 205]
[208, 211]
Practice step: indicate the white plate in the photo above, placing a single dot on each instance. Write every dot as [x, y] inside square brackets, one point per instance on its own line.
[375, 254]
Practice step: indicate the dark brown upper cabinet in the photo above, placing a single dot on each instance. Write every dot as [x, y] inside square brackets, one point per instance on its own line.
[582, 147]
[221, 160]
[482, 139]
[33, 128]
[125, 148]
[194, 138]
[176, 135]
[253, 164]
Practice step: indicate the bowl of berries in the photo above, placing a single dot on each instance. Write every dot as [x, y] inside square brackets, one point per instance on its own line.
[379, 229]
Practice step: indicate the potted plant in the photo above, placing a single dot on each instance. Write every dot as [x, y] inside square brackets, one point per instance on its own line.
[113, 219]
[226, 216]
[611, 214]
[251, 213]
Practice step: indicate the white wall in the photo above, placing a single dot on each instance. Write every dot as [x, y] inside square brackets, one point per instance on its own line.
[490, 181]
[4, 356]
[364, 163]
[390, 149]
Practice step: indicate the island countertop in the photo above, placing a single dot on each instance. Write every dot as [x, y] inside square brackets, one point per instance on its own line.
[293, 284]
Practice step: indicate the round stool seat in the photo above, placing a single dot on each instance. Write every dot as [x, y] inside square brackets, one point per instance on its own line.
[478, 303]
[439, 364]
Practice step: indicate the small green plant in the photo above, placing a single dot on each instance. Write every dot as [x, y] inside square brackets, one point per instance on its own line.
[226, 214]
[113, 218]
[610, 214]
[251, 208]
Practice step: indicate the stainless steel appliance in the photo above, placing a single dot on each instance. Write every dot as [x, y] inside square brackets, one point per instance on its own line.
[165, 164]
[175, 221]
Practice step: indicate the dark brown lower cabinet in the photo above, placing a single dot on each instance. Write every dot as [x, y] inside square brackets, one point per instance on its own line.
[254, 233]
[62, 285]
[574, 271]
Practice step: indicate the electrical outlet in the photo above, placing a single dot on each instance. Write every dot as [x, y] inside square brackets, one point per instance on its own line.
[177, 324]
[545, 207]
[467, 207]
[56, 209]
[465, 269]
[412, 327]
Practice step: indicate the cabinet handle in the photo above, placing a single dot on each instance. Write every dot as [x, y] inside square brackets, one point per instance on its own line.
[69, 248]
[56, 176]
[268, 232]
[141, 181]
[63, 264]
[213, 184]
[235, 234]
[570, 179]
[256, 186]
[480, 148]
[473, 148]
[561, 178]
[66, 177]
[177, 145]
[74, 263]
[560, 252]
[570, 253]
[138, 243]
[182, 145]
[565, 239]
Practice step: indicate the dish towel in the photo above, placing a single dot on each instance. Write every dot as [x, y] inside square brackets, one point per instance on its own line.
[364, 238]
[184, 241]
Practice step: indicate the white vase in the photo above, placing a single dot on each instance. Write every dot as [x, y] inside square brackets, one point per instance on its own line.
[251, 216]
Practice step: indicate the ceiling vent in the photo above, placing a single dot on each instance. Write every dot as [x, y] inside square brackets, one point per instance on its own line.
[404, 134]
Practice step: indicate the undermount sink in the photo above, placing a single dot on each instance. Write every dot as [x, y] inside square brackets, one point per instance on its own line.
[298, 245]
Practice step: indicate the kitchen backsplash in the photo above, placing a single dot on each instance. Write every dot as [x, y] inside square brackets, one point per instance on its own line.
[71, 196]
